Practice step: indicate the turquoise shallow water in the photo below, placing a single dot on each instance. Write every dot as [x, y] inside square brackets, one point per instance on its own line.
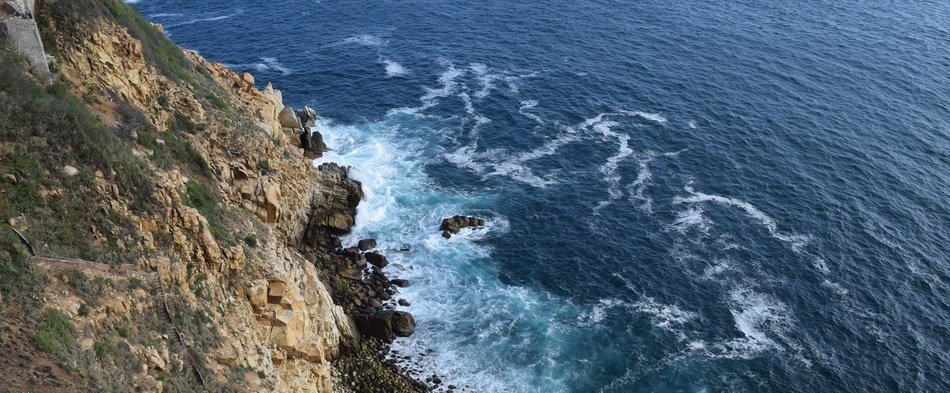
[700, 196]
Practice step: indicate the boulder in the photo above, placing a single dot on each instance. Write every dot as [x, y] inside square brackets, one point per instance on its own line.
[403, 302]
[247, 80]
[288, 119]
[355, 257]
[307, 116]
[403, 323]
[366, 244]
[70, 171]
[376, 259]
[378, 325]
[400, 282]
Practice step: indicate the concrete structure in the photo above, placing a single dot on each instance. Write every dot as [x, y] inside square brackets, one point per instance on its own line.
[23, 36]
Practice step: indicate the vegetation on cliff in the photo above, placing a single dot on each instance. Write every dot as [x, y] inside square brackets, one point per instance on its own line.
[163, 230]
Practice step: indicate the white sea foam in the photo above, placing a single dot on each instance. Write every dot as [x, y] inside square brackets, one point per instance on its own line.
[207, 19]
[271, 63]
[162, 14]
[837, 288]
[796, 241]
[664, 316]
[637, 188]
[525, 110]
[609, 168]
[689, 219]
[394, 69]
[365, 40]
[266, 64]
[763, 321]
[656, 117]
[712, 273]
[448, 85]
[486, 79]
[465, 314]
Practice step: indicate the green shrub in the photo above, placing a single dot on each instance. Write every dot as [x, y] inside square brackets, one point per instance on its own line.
[135, 283]
[182, 123]
[88, 288]
[218, 102]
[251, 240]
[55, 333]
[198, 196]
[123, 331]
[263, 166]
[15, 270]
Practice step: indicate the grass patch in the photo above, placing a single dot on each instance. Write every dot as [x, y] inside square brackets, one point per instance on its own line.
[55, 333]
[250, 240]
[263, 166]
[49, 129]
[198, 196]
[88, 288]
[15, 271]
[218, 102]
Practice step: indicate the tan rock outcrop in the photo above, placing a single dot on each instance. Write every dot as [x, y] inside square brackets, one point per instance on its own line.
[268, 303]
[109, 59]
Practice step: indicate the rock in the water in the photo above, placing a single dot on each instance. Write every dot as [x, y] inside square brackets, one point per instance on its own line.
[70, 171]
[403, 324]
[366, 244]
[452, 225]
[400, 282]
[403, 302]
[288, 119]
[376, 259]
[307, 116]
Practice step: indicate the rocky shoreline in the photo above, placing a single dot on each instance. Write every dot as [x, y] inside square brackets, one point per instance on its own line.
[356, 277]
[234, 239]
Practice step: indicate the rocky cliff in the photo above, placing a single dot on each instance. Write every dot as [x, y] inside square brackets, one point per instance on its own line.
[183, 240]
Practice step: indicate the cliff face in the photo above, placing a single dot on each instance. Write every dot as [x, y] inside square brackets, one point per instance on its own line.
[209, 285]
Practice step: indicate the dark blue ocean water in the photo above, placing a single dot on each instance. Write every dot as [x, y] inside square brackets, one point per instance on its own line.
[694, 196]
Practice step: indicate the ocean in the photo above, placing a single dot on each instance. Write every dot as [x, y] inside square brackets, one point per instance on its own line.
[691, 196]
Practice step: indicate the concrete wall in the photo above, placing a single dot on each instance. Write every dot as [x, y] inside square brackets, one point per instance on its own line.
[23, 35]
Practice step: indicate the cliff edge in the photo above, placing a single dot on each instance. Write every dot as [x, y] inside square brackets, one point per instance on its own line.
[166, 229]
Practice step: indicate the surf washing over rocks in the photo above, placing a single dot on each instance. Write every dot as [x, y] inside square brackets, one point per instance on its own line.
[674, 200]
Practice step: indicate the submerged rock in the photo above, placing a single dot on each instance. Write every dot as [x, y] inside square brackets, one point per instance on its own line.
[452, 225]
